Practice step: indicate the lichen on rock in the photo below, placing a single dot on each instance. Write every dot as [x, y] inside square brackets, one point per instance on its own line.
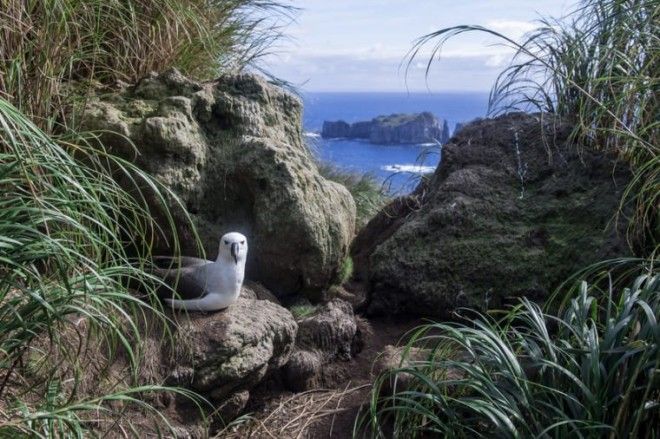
[229, 352]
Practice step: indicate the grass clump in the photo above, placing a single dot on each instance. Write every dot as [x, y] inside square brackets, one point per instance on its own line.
[346, 270]
[72, 334]
[369, 195]
[598, 68]
[590, 372]
[47, 43]
[301, 311]
[69, 337]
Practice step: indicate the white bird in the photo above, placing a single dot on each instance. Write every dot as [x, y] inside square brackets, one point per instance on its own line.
[205, 285]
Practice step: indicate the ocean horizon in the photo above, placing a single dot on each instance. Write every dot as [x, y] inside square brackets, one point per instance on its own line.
[397, 166]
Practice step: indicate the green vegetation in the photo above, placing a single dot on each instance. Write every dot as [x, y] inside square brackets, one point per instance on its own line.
[64, 303]
[71, 239]
[591, 372]
[49, 43]
[346, 270]
[302, 311]
[590, 367]
[598, 68]
[398, 119]
[369, 195]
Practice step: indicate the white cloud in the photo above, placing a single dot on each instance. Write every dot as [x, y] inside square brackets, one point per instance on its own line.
[499, 60]
[362, 45]
[512, 28]
[377, 52]
[323, 73]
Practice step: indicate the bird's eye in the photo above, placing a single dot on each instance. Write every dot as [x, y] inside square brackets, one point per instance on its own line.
[226, 242]
[242, 242]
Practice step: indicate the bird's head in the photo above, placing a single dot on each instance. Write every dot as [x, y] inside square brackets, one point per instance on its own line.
[233, 248]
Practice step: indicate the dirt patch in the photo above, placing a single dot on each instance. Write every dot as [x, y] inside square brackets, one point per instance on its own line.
[329, 412]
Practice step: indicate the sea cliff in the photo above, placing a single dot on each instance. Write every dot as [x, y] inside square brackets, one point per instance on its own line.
[393, 129]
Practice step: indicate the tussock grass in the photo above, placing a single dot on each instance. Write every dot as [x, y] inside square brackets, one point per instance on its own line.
[64, 227]
[71, 347]
[301, 311]
[369, 195]
[598, 68]
[590, 372]
[45, 44]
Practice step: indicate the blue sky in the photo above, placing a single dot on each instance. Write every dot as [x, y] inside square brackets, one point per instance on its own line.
[358, 45]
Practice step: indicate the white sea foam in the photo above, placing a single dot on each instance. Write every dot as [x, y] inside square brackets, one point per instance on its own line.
[412, 168]
[312, 134]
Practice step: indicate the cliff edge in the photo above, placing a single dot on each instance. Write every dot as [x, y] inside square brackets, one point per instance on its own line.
[393, 129]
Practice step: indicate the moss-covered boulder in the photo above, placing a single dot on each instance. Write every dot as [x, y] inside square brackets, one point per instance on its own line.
[232, 150]
[510, 211]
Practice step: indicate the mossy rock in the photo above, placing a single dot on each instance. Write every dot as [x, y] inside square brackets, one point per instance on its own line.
[478, 235]
[232, 151]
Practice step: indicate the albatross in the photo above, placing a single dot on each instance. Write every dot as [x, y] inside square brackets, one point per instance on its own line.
[205, 285]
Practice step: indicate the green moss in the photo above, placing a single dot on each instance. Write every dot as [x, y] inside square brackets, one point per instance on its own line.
[139, 108]
[346, 270]
[301, 311]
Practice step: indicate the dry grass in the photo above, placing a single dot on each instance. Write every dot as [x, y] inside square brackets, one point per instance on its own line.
[293, 417]
[47, 44]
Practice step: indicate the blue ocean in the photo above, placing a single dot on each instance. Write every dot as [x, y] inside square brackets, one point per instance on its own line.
[398, 166]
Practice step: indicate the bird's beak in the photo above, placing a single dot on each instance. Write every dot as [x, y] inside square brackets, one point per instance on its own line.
[234, 251]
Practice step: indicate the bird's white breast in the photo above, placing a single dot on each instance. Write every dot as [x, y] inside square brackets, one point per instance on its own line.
[221, 277]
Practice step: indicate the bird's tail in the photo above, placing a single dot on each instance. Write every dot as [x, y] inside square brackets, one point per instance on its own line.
[210, 302]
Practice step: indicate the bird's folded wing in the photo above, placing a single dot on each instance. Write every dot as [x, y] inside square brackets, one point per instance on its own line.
[184, 281]
[181, 261]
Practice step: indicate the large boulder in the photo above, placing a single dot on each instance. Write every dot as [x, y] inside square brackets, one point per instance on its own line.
[511, 211]
[232, 151]
[225, 354]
